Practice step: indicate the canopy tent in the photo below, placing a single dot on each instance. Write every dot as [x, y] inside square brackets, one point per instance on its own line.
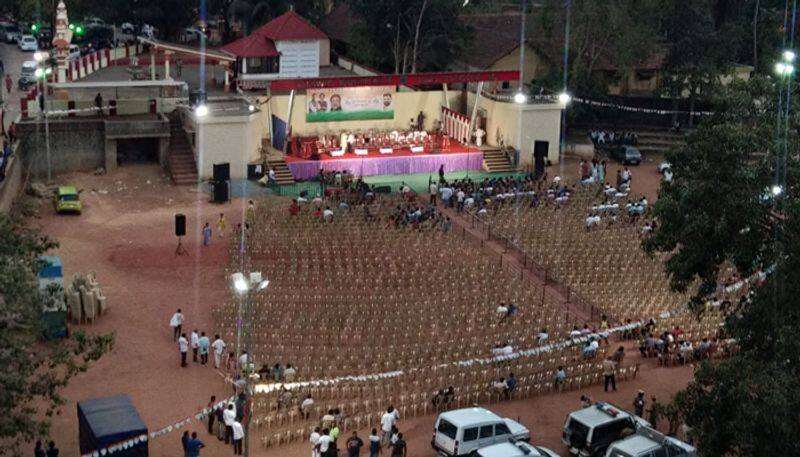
[108, 421]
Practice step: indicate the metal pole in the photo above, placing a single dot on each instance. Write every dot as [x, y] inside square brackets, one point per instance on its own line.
[522, 46]
[563, 139]
[248, 392]
[47, 133]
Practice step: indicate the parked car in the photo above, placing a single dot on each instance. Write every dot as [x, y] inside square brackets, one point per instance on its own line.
[513, 449]
[191, 34]
[663, 166]
[589, 431]
[650, 443]
[10, 33]
[28, 43]
[627, 154]
[27, 74]
[74, 52]
[128, 28]
[461, 431]
[94, 22]
[68, 200]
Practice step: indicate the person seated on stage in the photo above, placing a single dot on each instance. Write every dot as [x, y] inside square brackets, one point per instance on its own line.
[327, 215]
[412, 125]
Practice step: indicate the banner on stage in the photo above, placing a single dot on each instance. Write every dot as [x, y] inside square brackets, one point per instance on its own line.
[350, 104]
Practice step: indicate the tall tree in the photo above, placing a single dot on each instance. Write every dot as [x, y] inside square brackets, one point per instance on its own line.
[34, 370]
[719, 211]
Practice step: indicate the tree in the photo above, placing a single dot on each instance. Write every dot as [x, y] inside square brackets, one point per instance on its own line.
[34, 370]
[719, 211]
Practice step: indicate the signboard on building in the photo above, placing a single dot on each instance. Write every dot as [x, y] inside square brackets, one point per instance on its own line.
[350, 104]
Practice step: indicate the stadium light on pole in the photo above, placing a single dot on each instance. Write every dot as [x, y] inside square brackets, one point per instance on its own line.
[201, 111]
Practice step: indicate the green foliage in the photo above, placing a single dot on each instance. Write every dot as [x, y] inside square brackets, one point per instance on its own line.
[34, 370]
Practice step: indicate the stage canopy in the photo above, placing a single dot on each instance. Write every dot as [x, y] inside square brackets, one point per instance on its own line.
[107, 421]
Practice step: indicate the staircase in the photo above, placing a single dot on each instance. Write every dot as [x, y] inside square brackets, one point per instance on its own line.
[182, 166]
[494, 161]
[282, 173]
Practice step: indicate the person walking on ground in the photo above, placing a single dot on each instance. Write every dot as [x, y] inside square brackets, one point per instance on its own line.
[374, 444]
[52, 450]
[194, 445]
[639, 403]
[185, 443]
[354, 445]
[183, 347]
[238, 437]
[221, 224]
[654, 413]
[206, 234]
[203, 345]
[219, 349]
[399, 447]
[211, 415]
[441, 173]
[9, 83]
[176, 322]
[194, 339]
[609, 372]
[38, 451]
[229, 417]
[388, 420]
[98, 103]
[314, 440]
[325, 444]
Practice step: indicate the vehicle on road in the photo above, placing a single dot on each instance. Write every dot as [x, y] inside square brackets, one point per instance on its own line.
[28, 43]
[589, 431]
[74, 52]
[650, 443]
[10, 33]
[68, 200]
[461, 431]
[94, 22]
[513, 449]
[128, 28]
[27, 74]
[192, 34]
[626, 154]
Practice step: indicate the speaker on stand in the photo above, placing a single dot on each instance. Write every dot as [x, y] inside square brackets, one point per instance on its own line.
[220, 186]
[180, 232]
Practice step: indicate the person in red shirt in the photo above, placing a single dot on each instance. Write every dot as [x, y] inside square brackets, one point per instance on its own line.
[9, 83]
[294, 208]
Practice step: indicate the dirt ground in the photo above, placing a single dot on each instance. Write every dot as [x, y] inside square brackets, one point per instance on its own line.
[126, 235]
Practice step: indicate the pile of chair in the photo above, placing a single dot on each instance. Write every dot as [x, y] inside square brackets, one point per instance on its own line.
[85, 299]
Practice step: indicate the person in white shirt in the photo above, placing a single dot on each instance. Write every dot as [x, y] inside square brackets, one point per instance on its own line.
[388, 420]
[327, 214]
[244, 361]
[238, 437]
[305, 406]
[447, 194]
[195, 341]
[175, 322]
[317, 201]
[219, 349]
[289, 373]
[314, 440]
[434, 190]
[469, 202]
[542, 336]
[324, 442]
[228, 418]
[592, 220]
[575, 333]
[183, 346]
[508, 349]
[502, 309]
[272, 178]
[460, 200]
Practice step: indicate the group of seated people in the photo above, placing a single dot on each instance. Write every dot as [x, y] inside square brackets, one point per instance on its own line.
[443, 398]
[336, 178]
[610, 137]
[418, 218]
[505, 386]
[671, 346]
[350, 142]
[501, 350]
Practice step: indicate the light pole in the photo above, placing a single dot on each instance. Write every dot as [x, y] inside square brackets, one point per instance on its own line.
[564, 96]
[244, 287]
[41, 73]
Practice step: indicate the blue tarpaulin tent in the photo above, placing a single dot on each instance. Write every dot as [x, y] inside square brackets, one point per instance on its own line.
[109, 421]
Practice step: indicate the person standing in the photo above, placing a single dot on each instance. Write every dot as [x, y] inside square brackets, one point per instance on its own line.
[219, 349]
[52, 450]
[639, 403]
[325, 444]
[609, 374]
[388, 420]
[399, 447]
[221, 224]
[9, 83]
[203, 345]
[38, 451]
[238, 437]
[229, 417]
[374, 444]
[354, 445]
[441, 173]
[195, 341]
[183, 347]
[314, 440]
[176, 322]
[98, 103]
[654, 413]
[250, 213]
[185, 443]
[193, 446]
[211, 415]
[206, 234]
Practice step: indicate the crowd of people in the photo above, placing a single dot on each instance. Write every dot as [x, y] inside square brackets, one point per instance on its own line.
[611, 137]
[325, 441]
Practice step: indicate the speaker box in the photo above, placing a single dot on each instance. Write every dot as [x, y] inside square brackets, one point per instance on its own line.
[180, 225]
[222, 171]
[220, 191]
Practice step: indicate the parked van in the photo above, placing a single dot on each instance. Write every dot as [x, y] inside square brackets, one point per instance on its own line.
[650, 443]
[461, 431]
[589, 431]
[512, 449]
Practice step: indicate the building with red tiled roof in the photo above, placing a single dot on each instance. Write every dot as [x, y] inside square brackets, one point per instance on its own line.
[286, 47]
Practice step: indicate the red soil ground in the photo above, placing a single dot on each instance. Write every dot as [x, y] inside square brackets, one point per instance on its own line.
[126, 235]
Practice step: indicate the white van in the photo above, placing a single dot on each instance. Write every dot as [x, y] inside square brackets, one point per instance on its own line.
[650, 443]
[511, 449]
[589, 431]
[462, 431]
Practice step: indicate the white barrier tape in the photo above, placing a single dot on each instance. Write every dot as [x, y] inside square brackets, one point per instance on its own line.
[634, 109]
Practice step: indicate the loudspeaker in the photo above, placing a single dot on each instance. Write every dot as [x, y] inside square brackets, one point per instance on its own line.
[180, 225]
[540, 149]
[222, 171]
[220, 191]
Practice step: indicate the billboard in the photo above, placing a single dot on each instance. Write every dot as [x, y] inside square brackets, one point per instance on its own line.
[350, 104]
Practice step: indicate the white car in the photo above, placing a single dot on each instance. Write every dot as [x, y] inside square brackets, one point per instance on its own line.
[462, 431]
[74, 52]
[94, 22]
[511, 449]
[28, 43]
[647, 443]
[128, 28]
[191, 34]
[589, 431]
[663, 166]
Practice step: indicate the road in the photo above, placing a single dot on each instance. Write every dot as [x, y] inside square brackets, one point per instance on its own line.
[12, 59]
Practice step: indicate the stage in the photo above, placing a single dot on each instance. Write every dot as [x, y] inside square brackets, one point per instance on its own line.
[400, 162]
